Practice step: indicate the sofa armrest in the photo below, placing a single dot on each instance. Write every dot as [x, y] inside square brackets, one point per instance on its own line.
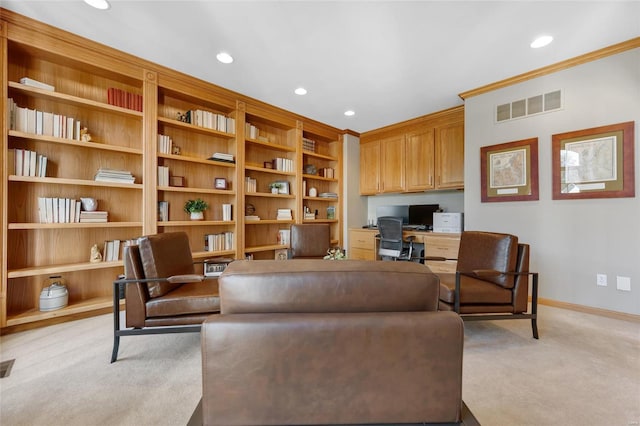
[336, 368]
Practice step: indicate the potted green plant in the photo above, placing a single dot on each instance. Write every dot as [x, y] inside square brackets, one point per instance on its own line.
[196, 208]
[275, 187]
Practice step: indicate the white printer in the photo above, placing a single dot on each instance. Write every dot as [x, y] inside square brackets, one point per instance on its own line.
[448, 222]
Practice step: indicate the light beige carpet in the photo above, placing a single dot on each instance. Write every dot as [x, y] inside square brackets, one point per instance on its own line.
[584, 370]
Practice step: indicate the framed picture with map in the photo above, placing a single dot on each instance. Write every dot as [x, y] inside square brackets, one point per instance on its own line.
[594, 163]
[509, 171]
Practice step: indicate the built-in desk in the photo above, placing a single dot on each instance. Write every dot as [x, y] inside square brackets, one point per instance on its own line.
[364, 245]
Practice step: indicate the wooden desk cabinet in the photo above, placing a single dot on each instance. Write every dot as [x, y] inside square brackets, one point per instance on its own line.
[363, 246]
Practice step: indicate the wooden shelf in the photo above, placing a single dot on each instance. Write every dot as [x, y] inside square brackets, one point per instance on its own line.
[87, 305]
[196, 190]
[316, 177]
[269, 247]
[58, 269]
[321, 156]
[72, 100]
[327, 199]
[268, 145]
[77, 225]
[196, 223]
[75, 143]
[320, 221]
[265, 170]
[207, 254]
[269, 195]
[197, 160]
[268, 222]
[75, 182]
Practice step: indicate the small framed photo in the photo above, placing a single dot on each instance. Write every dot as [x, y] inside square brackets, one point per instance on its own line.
[220, 183]
[283, 187]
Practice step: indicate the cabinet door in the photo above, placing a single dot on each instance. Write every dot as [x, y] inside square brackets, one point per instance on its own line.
[392, 164]
[450, 156]
[420, 160]
[369, 168]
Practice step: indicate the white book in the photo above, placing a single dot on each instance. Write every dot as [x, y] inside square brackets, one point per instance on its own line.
[61, 210]
[72, 211]
[33, 161]
[70, 127]
[42, 210]
[77, 130]
[56, 211]
[56, 126]
[38, 84]
[67, 210]
[47, 124]
[43, 167]
[31, 120]
[26, 162]
[78, 205]
[49, 209]
[116, 250]
[39, 118]
[19, 158]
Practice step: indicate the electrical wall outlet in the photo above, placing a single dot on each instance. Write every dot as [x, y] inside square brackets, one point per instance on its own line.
[601, 280]
[623, 283]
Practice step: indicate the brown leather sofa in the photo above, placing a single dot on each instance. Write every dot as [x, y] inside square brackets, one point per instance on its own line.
[318, 342]
[309, 240]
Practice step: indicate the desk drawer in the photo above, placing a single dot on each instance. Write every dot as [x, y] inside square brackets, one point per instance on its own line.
[437, 246]
[362, 239]
[361, 254]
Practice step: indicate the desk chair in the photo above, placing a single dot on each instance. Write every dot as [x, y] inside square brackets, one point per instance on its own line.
[310, 240]
[392, 246]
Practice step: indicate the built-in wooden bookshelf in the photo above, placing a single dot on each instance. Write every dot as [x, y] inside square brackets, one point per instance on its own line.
[86, 77]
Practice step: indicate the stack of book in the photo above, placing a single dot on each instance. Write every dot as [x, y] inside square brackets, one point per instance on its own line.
[328, 195]
[226, 212]
[211, 120]
[283, 164]
[308, 145]
[112, 175]
[252, 217]
[221, 156]
[284, 214]
[163, 176]
[250, 184]
[93, 217]
[38, 84]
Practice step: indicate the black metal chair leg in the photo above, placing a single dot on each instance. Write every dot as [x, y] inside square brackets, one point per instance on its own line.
[116, 321]
[534, 327]
[116, 345]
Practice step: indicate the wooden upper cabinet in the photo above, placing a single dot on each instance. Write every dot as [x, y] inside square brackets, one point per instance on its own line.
[392, 155]
[420, 161]
[450, 156]
[369, 168]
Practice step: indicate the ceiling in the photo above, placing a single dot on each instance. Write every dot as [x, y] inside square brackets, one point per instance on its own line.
[388, 61]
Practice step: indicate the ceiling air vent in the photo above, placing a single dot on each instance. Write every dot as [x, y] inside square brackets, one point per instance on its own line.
[531, 106]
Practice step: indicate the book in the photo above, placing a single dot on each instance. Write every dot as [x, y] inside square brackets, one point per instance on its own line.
[38, 84]
[226, 212]
[163, 211]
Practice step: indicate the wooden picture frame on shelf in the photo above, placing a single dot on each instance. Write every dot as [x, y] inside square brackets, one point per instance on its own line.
[594, 163]
[220, 183]
[178, 181]
[509, 171]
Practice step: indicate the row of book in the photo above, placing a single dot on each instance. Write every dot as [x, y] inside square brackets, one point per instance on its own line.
[113, 175]
[165, 144]
[251, 131]
[250, 184]
[210, 120]
[122, 98]
[327, 172]
[112, 249]
[218, 242]
[308, 144]
[27, 163]
[37, 122]
[283, 164]
[67, 210]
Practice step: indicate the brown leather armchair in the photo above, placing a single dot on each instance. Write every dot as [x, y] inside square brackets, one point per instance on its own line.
[321, 342]
[492, 280]
[163, 294]
[309, 241]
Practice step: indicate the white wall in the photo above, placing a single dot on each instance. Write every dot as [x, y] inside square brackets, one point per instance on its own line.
[449, 201]
[353, 204]
[571, 240]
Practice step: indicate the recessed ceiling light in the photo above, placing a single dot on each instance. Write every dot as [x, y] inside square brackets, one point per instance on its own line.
[224, 57]
[349, 113]
[300, 91]
[98, 4]
[541, 41]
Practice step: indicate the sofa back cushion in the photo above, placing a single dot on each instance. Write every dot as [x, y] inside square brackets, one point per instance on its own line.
[165, 255]
[489, 251]
[322, 286]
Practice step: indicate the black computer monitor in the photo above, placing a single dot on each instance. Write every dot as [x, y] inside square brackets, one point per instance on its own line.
[422, 214]
[397, 211]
